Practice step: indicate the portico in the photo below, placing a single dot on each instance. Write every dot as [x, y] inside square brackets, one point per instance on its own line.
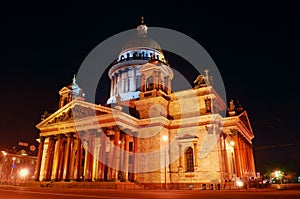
[86, 152]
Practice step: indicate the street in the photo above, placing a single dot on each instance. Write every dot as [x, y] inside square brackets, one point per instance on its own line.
[11, 192]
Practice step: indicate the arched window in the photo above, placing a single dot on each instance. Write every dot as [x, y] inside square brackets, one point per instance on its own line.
[189, 160]
[138, 83]
[149, 83]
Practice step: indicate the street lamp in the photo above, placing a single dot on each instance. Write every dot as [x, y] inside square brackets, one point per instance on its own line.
[4, 156]
[23, 174]
[165, 139]
[12, 167]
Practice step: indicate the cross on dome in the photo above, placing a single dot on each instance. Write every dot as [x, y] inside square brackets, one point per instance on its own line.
[142, 19]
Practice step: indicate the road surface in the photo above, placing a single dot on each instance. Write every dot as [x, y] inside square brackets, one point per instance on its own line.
[10, 192]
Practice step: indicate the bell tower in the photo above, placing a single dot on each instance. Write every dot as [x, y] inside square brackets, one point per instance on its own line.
[69, 93]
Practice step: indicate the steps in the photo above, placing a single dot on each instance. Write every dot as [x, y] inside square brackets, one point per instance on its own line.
[84, 185]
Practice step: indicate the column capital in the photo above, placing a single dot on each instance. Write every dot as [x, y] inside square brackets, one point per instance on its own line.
[51, 137]
[60, 136]
[92, 132]
[70, 134]
[81, 134]
[98, 134]
[102, 129]
[134, 134]
[116, 128]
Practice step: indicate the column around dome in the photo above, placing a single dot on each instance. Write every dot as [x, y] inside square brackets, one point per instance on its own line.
[134, 80]
[115, 84]
[111, 86]
[119, 81]
[126, 81]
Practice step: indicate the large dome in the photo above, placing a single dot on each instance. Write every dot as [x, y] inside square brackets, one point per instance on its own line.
[141, 42]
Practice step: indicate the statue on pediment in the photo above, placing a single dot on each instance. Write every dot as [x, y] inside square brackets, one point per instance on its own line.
[45, 115]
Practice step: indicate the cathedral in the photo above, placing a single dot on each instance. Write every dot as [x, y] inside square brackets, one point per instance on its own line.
[146, 133]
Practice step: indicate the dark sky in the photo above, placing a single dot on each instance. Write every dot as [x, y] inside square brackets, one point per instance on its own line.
[254, 44]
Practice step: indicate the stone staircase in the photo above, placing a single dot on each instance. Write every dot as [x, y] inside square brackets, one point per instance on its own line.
[84, 185]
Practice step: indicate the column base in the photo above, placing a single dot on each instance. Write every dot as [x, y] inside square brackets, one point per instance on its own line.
[180, 169]
[99, 180]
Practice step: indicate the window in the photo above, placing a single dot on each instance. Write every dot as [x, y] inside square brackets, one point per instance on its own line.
[130, 146]
[138, 83]
[189, 160]
[149, 84]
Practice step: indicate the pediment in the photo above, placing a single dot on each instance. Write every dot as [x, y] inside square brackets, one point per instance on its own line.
[243, 117]
[148, 68]
[64, 90]
[188, 136]
[75, 109]
[62, 117]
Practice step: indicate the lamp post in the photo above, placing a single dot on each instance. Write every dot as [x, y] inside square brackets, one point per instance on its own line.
[12, 167]
[165, 139]
[4, 154]
[23, 174]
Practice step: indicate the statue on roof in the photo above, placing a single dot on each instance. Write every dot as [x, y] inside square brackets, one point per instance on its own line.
[231, 105]
[198, 81]
[235, 108]
[203, 80]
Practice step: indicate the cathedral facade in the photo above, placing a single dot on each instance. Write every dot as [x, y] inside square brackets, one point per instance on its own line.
[146, 133]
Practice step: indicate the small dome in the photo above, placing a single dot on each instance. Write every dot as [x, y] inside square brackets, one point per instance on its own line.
[73, 85]
[75, 89]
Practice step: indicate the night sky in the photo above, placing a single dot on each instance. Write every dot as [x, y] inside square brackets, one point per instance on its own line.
[255, 46]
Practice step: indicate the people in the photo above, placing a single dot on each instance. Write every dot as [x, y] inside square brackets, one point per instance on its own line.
[225, 183]
[120, 176]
